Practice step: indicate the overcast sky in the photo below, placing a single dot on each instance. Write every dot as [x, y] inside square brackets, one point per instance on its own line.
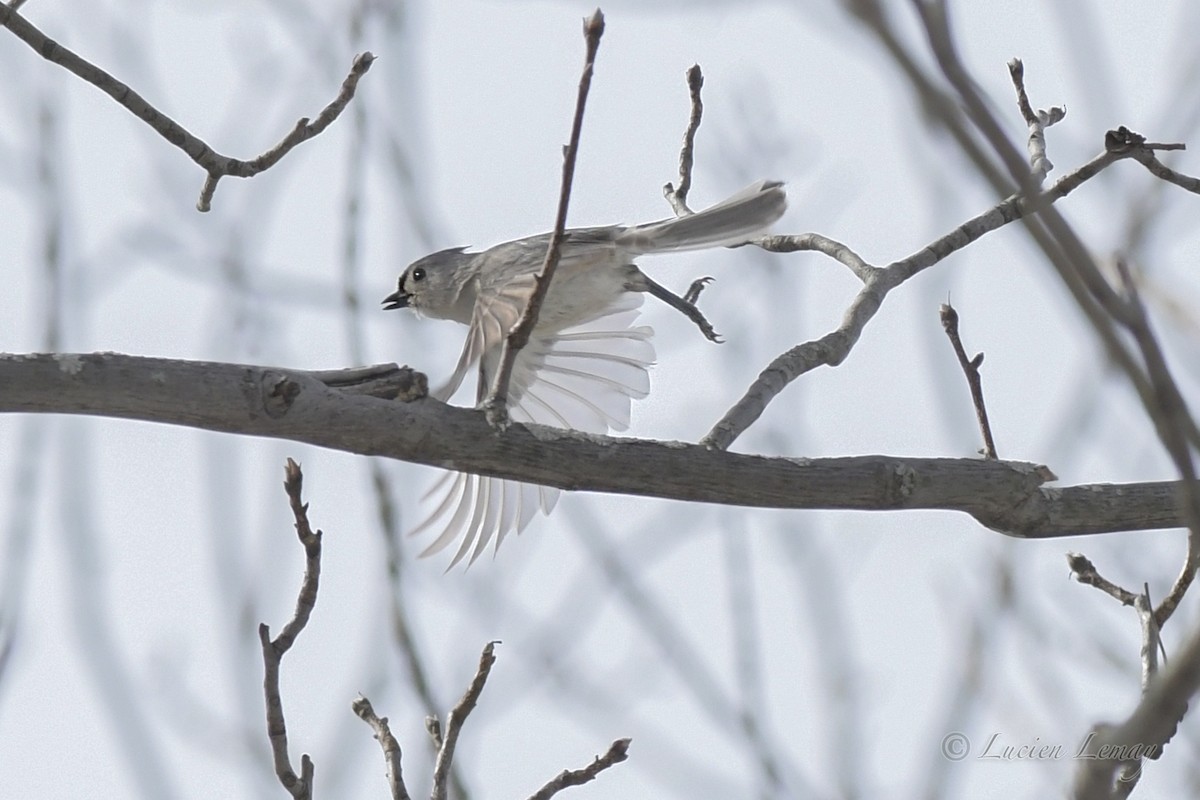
[138, 559]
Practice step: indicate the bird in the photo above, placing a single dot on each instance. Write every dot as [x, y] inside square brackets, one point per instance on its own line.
[586, 360]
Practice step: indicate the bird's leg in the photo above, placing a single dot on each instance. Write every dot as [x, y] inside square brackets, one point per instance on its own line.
[685, 305]
[693, 292]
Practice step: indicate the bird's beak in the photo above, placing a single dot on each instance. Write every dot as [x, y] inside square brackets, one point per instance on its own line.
[395, 300]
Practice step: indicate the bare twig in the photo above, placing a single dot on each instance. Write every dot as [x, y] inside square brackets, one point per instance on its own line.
[1147, 730]
[433, 726]
[1151, 637]
[1173, 422]
[454, 723]
[273, 650]
[1130, 753]
[618, 751]
[1085, 572]
[391, 747]
[1035, 207]
[1039, 164]
[970, 368]
[216, 165]
[496, 404]
[677, 197]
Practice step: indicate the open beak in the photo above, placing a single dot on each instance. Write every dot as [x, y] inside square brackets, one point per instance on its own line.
[395, 300]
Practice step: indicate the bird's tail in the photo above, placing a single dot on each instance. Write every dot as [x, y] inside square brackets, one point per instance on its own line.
[744, 216]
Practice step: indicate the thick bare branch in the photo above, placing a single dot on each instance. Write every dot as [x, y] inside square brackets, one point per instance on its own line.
[1006, 496]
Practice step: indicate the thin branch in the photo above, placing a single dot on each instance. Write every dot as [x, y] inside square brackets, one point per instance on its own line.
[677, 197]
[1064, 249]
[301, 132]
[391, 747]
[1172, 422]
[458, 716]
[970, 368]
[1129, 755]
[1035, 208]
[1005, 496]
[1084, 571]
[1146, 731]
[1151, 637]
[817, 243]
[496, 404]
[1039, 163]
[1067, 252]
[273, 650]
[433, 727]
[618, 751]
[216, 165]
[833, 348]
[1161, 170]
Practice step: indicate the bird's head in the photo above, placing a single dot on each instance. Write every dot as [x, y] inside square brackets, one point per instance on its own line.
[433, 286]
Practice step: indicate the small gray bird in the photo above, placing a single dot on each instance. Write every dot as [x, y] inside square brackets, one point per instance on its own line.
[585, 362]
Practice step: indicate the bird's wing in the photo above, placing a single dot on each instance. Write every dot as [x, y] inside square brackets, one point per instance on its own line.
[583, 377]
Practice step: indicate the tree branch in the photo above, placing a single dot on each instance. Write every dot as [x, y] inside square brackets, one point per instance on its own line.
[273, 650]
[1006, 496]
[391, 747]
[458, 716]
[216, 165]
[970, 367]
[834, 347]
[618, 751]
[677, 197]
[496, 404]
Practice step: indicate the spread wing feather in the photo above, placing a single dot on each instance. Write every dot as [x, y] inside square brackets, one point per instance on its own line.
[583, 377]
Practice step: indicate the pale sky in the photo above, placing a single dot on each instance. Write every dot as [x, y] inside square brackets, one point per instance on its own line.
[138, 560]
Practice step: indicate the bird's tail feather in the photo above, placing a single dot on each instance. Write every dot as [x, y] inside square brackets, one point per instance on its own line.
[734, 221]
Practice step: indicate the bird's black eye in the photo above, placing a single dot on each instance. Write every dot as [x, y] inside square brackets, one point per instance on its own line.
[418, 274]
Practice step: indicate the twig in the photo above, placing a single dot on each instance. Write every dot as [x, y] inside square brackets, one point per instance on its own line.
[1172, 422]
[1085, 572]
[618, 751]
[273, 650]
[1127, 764]
[678, 197]
[1087, 286]
[496, 404]
[433, 726]
[216, 165]
[970, 368]
[454, 723]
[1147, 730]
[1039, 164]
[1151, 637]
[391, 747]
[1064, 249]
